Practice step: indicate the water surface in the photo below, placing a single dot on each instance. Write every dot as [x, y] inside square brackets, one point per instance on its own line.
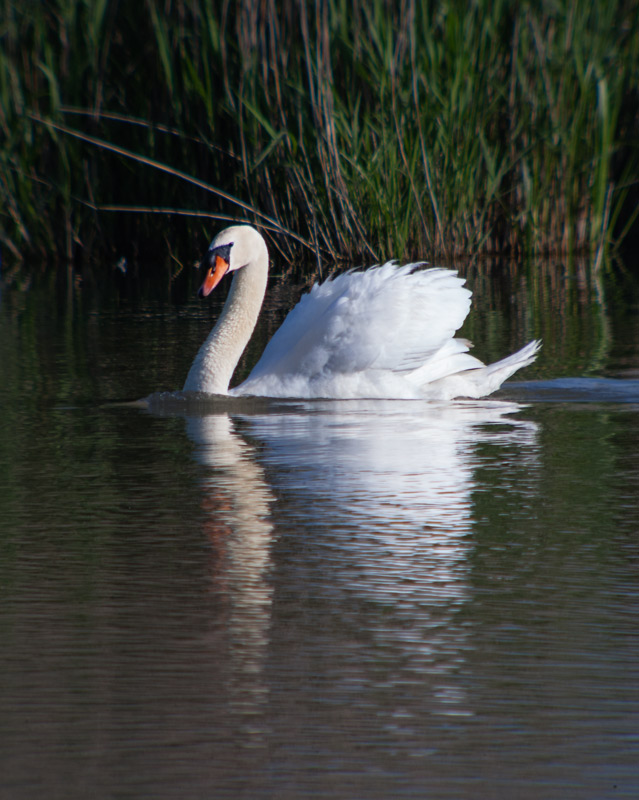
[327, 599]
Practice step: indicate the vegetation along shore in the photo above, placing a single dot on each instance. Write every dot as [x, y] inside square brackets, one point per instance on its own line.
[348, 130]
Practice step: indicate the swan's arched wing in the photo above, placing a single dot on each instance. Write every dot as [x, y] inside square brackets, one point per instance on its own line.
[386, 318]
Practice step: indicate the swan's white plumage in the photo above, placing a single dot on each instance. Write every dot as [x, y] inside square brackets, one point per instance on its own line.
[384, 332]
[352, 330]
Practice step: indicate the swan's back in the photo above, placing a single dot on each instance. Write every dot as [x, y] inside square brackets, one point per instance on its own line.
[364, 334]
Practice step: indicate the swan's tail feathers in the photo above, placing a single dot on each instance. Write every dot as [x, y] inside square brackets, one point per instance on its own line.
[522, 358]
[490, 378]
[466, 376]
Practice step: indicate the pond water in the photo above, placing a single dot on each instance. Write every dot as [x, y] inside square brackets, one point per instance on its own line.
[315, 599]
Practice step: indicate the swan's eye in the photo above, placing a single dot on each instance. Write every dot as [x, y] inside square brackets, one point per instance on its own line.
[223, 251]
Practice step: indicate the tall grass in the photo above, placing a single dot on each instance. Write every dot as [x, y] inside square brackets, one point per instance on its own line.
[368, 128]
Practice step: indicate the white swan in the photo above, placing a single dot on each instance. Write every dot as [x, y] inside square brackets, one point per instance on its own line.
[387, 332]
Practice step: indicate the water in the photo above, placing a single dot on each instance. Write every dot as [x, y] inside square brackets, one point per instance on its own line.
[319, 599]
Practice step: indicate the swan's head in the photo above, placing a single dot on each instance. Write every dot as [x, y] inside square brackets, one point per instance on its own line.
[233, 248]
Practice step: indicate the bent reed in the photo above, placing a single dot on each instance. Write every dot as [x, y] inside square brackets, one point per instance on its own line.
[370, 129]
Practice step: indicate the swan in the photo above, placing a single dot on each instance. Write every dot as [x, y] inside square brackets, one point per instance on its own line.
[387, 332]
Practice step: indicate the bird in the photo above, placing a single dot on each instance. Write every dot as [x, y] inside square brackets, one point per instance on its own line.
[383, 332]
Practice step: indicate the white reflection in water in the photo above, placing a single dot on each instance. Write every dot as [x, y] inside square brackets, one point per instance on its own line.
[388, 486]
[236, 502]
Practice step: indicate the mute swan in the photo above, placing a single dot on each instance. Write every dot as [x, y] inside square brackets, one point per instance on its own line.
[387, 332]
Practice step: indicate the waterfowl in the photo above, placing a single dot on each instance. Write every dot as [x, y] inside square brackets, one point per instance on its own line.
[385, 332]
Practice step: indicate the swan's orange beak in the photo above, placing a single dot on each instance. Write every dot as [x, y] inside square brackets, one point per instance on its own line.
[214, 275]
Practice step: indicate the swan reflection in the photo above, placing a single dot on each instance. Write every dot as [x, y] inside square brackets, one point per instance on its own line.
[382, 495]
[236, 501]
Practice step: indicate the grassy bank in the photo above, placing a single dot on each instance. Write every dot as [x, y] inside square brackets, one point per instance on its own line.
[369, 129]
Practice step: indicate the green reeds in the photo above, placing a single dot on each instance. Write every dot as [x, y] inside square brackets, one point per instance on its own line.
[370, 129]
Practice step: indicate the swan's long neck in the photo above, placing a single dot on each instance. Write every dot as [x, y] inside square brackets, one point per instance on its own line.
[216, 360]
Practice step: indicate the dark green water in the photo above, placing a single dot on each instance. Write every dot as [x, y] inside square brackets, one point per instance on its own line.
[338, 600]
